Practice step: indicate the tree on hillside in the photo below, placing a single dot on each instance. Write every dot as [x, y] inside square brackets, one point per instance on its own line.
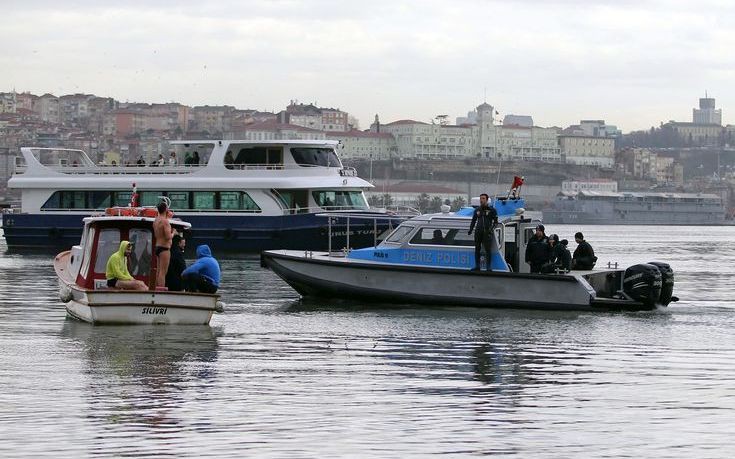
[458, 203]
[422, 202]
[436, 204]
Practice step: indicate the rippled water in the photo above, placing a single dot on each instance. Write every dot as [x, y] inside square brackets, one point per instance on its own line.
[276, 377]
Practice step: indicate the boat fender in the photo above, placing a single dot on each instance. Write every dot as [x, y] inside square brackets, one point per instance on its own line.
[219, 307]
[667, 282]
[65, 294]
[54, 232]
[229, 234]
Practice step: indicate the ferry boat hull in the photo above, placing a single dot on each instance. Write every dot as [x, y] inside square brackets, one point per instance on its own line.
[320, 275]
[222, 234]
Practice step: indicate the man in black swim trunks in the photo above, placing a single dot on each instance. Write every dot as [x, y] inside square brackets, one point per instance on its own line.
[164, 235]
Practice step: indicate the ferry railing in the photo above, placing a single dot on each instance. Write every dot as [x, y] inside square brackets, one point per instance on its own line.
[109, 169]
[347, 216]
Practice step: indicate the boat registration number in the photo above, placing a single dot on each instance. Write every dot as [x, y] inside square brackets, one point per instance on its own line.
[154, 311]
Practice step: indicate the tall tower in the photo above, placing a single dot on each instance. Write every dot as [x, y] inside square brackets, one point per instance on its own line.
[706, 114]
[486, 131]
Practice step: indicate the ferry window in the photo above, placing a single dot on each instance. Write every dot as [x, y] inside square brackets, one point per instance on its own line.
[149, 198]
[229, 200]
[99, 199]
[315, 156]
[339, 199]
[255, 155]
[204, 200]
[179, 199]
[107, 244]
[122, 198]
[248, 203]
[140, 258]
[73, 200]
[399, 234]
[275, 155]
[259, 156]
[54, 202]
[296, 200]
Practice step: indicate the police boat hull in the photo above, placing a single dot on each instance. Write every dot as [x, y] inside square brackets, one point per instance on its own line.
[318, 274]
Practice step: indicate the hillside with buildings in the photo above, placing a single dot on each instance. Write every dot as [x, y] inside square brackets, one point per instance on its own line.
[479, 152]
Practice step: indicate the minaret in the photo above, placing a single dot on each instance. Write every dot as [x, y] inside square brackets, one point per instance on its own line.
[375, 127]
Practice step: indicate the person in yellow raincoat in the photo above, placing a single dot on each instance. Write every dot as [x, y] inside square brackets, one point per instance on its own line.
[117, 273]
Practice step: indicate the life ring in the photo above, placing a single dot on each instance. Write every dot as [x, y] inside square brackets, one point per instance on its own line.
[149, 212]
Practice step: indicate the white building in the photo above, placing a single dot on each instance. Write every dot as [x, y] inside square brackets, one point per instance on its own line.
[357, 144]
[273, 130]
[7, 102]
[598, 128]
[707, 114]
[48, 105]
[518, 120]
[415, 139]
[515, 140]
[588, 150]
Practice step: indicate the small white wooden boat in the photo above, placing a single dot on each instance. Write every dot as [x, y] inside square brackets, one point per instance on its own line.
[83, 287]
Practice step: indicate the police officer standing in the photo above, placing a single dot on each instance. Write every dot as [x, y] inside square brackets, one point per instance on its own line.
[486, 218]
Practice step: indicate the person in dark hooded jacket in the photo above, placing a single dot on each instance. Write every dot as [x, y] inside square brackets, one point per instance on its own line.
[561, 259]
[584, 257]
[204, 275]
[177, 265]
[538, 250]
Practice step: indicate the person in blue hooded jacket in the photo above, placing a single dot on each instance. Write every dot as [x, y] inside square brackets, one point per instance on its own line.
[204, 275]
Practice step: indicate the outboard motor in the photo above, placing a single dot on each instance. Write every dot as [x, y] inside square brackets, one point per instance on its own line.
[643, 283]
[667, 282]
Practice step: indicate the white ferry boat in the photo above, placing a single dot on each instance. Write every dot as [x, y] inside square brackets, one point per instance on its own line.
[239, 195]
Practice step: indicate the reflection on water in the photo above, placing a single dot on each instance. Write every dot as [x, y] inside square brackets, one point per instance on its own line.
[153, 364]
[275, 376]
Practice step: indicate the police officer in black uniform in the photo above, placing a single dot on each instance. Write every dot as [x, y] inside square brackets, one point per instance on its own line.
[538, 250]
[486, 218]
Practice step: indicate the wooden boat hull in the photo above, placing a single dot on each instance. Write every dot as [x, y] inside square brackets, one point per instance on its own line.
[141, 308]
[149, 307]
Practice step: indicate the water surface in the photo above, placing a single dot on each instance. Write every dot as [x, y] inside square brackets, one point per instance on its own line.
[277, 377]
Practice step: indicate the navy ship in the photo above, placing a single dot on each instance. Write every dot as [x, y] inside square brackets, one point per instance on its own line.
[636, 208]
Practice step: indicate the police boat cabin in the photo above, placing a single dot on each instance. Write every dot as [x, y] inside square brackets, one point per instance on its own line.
[430, 259]
[83, 285]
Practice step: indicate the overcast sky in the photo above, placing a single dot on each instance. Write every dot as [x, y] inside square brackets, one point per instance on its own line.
[632, 63]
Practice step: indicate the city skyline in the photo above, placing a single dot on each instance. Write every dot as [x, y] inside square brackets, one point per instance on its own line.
[633, 64]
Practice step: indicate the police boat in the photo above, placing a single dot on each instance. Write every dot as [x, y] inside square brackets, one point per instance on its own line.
[428, 260]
